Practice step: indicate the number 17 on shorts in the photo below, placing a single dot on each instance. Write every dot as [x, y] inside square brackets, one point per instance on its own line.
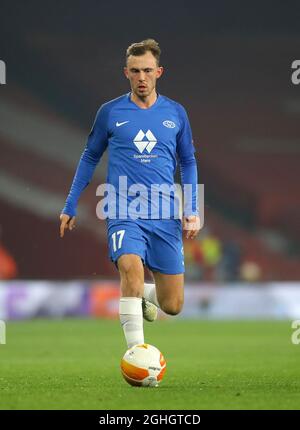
[117, 239]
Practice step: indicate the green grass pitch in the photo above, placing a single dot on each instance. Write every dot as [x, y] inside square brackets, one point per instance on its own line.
[74, 364]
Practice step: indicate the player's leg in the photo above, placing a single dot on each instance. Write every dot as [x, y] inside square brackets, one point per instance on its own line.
[131, 271]
[150, 291]
[164, 256]
[169, 292]
[132, 285]
[127, 250]
[165, 293]
[149, 302]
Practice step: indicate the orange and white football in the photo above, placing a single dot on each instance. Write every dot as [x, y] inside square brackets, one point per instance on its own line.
[143, 366]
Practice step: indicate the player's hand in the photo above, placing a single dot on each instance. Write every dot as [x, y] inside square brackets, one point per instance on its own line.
[191, 225]
[66, 222]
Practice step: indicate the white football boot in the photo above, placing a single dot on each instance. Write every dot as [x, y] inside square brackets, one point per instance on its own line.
[149, 310]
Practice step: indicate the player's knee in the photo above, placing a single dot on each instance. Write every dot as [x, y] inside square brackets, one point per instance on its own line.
[131, 278]
[172, 308]
[128, 264]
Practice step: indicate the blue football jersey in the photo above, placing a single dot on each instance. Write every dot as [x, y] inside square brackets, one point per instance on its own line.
[143, 147]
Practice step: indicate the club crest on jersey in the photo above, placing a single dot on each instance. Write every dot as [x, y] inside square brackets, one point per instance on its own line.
[169, 124]
[142, 144]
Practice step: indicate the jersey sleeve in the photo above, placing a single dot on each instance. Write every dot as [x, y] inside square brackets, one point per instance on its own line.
[187, 164]
[94, 149]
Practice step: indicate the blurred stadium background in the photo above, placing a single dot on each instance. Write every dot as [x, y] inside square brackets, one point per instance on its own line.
[231, 68]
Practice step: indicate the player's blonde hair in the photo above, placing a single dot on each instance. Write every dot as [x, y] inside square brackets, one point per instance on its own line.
[140, 48]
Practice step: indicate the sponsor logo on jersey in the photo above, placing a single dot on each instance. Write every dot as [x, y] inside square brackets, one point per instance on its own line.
[142, 144]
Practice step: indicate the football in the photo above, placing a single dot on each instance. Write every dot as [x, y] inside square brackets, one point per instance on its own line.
[143, 366]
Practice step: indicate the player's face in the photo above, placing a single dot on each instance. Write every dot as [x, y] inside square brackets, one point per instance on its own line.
[142, 72]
